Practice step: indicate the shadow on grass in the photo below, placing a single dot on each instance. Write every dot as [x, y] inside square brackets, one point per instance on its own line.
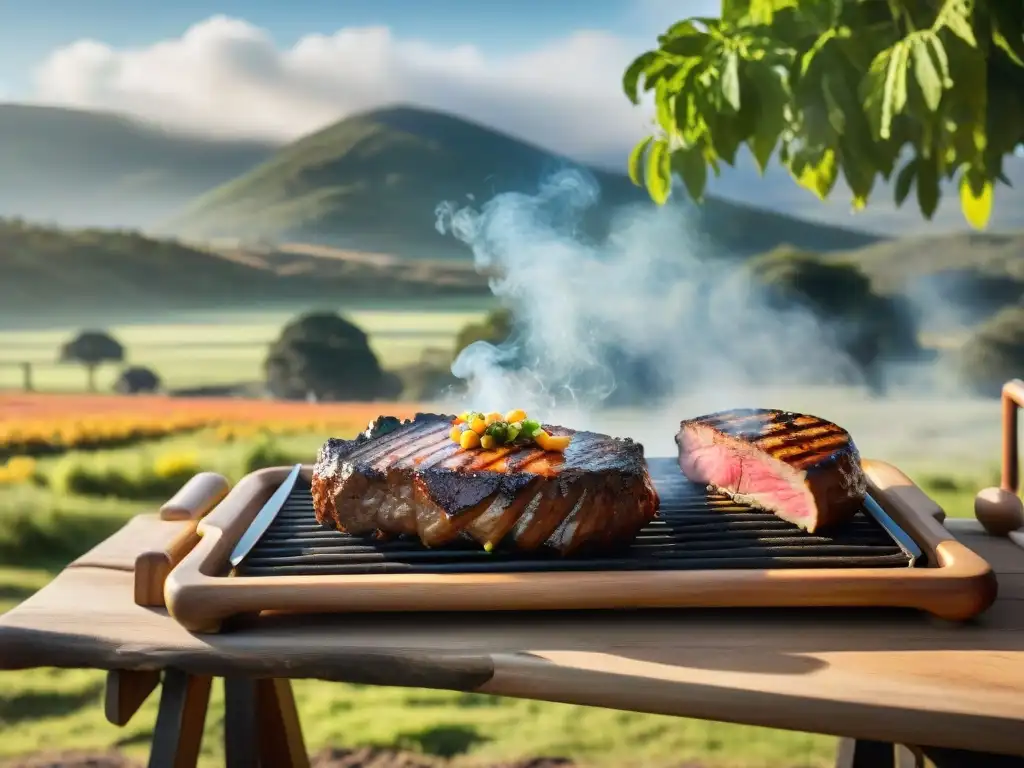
[441, 740]
[37, 705]
[142, 738]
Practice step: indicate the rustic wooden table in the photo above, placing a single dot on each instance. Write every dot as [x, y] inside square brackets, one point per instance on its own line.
[875, 677]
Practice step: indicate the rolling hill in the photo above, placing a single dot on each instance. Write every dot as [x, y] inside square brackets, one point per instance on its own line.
[51, 275]
[79, 168]
[373, 182]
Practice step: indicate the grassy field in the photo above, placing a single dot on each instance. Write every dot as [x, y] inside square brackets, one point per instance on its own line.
[224, 350]
[42, 527]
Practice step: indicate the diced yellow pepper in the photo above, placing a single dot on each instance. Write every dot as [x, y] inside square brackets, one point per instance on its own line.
[487, 442]
[492, 418]
[556, 442]
[456, 434]
[478, 426]
[470, 440]
[516, 415]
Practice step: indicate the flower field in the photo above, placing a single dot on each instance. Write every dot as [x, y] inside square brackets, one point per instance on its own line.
[33, 425]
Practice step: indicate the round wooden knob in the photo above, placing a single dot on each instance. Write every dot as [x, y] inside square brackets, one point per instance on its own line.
[999, 511]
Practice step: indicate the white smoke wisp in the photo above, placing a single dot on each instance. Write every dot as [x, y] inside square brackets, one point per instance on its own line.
[595, 321]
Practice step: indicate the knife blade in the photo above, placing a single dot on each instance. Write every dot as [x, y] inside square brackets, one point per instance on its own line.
[264, 518]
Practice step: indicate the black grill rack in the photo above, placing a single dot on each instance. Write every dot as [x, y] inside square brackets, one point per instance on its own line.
[695, 531]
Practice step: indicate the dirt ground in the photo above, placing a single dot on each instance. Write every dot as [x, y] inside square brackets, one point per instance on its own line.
[329, 758]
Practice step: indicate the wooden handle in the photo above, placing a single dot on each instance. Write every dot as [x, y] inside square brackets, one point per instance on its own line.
[196, 497]
[187, 507]
[1000, 510]
[153, 566]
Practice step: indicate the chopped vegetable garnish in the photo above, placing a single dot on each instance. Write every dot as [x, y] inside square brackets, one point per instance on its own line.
[530, 427]
[516, 415]
[554, 442]
[473, 429]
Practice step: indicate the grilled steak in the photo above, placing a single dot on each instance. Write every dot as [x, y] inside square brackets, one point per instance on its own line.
[410, 478]
[804, 469]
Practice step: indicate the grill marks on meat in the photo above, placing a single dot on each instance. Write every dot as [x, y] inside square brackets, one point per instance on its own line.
[414, 480]
[802, 468]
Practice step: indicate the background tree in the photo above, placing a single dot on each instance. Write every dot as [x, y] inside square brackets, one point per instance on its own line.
[919, 91]
[870, 328]
[495, 328]
[92, 349]
[324, 356]
[136, 380]
[994, 354]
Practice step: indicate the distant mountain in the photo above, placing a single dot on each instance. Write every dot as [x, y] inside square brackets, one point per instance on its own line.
[79, 168]
[373, 182]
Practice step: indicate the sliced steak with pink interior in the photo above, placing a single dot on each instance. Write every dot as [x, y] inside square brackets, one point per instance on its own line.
[803, 469]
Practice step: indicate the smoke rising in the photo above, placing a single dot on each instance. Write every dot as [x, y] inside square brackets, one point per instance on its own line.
[647, 314]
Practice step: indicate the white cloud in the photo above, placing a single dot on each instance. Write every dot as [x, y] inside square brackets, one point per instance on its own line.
[225, 77]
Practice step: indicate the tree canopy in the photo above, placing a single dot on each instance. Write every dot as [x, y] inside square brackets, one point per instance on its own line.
[916, 90]
[871, 328]
[92, 349]
[324, 356]
[994, 354]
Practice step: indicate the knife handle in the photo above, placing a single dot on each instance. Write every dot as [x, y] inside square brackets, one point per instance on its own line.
[196, 497]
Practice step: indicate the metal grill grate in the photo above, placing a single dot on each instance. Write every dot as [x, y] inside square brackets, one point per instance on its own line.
[695, 531]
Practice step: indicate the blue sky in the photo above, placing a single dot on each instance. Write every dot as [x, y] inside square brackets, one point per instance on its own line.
[29, 33]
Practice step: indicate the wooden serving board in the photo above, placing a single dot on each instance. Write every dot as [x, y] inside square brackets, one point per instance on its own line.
[200, 592]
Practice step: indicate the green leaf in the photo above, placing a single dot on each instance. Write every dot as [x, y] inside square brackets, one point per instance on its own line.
[688, 45]
[730, 80]
[956, 17]
[928, 191]
[976, 195]
[926, 70]
[904, 181]
[884, 89]
[659, 171]
[664, 108]
[772, 98]
[1008, 30]
[636, 159]
[631, 79]
[819, 174]
[689, 164]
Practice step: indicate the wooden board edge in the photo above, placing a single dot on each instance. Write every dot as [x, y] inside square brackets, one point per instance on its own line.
[200, 598]
[529, 676]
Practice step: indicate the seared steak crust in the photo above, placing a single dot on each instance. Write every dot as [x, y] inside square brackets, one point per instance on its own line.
[410, 478]
[802, 468]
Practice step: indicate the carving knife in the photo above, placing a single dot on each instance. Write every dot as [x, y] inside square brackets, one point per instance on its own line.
[264, 518]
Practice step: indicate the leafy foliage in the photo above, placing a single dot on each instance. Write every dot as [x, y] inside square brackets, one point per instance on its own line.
[135, 380]
[995, 353]
[495, 328]
[869, 327]
[324, 356]
[863, 89]
[92, 349]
